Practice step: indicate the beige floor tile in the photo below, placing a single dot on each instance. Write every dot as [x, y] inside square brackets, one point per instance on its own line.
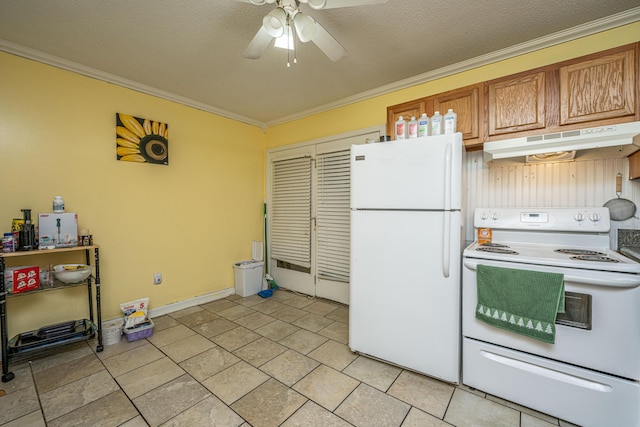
[313, 322]
[61, 355]
[215, 327]
[235, 338]
[339, 315]
[303, 341]
[249, 301]
[277, 330]
[321, 308]
[337, 331]
[135, 422]
[369, 407]
[170, 335]
[469, 410]
[209, 412]
[299, 301]
[164, 322]
[197, 318]
[254, 320]
[34, 419]
[282, 295]
[120, 347]
[209, 363]
[132, 359]
[268, 306]
[235, 381]
[260, 351]
[171, 399]
[187, 348]
[67, 372]
[527, 420]
[373, 372]
[268, 405]
[113, 409]
[327, 387]
[313, 415]
[425, 393]
[289, 314]
[236, 312]
[334, 354]
[74, 395]
[524, 409]
[218, 305]
[417, 418]
[22, 379]
[139, 381]
[17, 404]
[185, 311]
[289, 367]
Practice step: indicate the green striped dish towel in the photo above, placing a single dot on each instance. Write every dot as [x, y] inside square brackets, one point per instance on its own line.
[522, 301]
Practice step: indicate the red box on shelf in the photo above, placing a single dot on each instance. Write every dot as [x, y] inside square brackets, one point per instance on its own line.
[25, 278]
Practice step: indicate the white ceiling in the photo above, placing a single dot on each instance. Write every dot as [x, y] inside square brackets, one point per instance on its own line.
[191, 51]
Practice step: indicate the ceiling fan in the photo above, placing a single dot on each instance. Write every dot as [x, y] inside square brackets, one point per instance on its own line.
[286, 19]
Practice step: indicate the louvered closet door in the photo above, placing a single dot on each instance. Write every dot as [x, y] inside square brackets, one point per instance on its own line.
[332, 225]
[290, 222]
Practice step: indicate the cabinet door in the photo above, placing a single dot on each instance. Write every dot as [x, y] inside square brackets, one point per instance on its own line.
[407, 110]
[597, 89]
[465, 102]
[517, 104]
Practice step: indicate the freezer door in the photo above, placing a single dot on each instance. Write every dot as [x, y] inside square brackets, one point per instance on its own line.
[403, 308]
[423, 173]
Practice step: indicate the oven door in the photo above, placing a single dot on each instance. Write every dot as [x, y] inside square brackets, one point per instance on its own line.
[600, 331]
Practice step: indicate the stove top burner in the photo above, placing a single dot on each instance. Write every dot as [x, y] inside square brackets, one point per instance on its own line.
[579, 252]
[493, 245]
[496, 249]
[597, 258]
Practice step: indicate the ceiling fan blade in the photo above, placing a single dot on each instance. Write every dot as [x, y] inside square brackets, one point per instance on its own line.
[328, 44]
[333, 4]
[258, 45]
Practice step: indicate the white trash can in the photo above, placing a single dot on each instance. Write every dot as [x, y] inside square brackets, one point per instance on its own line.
[248, 275]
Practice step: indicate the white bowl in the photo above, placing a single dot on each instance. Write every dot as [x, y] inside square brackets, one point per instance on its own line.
[72, 273]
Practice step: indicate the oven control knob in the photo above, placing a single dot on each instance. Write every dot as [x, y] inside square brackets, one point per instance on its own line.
[495, 216]
[484, 216]
[579, 217]
[594, 217]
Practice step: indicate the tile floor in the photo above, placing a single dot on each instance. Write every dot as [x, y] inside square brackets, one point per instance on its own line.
[281, 361]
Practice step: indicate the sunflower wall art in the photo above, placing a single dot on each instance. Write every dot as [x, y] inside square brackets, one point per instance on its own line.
[141, 140]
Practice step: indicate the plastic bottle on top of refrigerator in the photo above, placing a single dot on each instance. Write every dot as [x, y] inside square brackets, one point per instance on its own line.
[401, 128]
[450, 122]
[423, 125]
[413, 127]
[436, 124]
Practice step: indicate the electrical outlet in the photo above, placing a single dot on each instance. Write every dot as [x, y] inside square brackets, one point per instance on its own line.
[157, 278]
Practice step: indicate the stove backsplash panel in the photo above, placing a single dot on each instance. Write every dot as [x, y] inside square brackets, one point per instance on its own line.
[582, 183]
[627, 237]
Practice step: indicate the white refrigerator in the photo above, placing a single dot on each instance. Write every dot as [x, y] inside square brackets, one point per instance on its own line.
[406, 248]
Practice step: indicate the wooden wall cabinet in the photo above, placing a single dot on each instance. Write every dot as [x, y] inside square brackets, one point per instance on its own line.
[517, 104]
[597, 89]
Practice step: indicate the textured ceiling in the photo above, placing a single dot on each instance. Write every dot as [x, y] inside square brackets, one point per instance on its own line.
[192, 51]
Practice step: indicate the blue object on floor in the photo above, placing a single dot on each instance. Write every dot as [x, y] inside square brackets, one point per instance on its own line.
[266, 293]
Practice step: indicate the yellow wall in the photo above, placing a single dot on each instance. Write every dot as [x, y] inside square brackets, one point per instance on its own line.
[190, 220]
[373, 112]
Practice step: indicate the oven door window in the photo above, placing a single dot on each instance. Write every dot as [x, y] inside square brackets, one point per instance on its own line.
[577, 311]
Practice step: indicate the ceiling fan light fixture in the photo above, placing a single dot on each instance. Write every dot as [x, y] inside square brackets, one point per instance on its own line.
[275, 21]
[317, 4]
[305, 27]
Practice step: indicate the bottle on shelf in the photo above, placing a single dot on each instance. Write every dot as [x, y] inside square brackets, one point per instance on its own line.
[413, 127]
[450, 122]
[401, 128]
[423, 125]
[436, 124]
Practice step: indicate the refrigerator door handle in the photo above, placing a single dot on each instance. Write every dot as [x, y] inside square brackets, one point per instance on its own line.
[446, 244]
[446, 238]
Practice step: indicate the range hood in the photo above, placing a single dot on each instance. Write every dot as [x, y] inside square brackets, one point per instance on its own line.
[619, 140]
